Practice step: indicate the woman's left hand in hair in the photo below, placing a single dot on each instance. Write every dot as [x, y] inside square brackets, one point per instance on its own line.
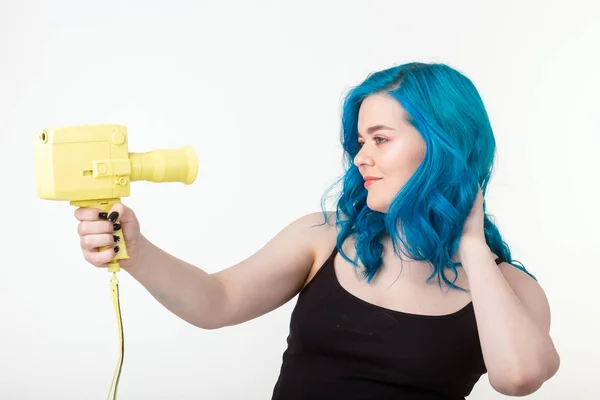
[512, 311]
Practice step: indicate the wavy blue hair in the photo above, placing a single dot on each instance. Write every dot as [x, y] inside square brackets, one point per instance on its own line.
[427, 215]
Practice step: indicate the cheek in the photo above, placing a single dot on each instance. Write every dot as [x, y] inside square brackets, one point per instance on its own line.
[403, 159]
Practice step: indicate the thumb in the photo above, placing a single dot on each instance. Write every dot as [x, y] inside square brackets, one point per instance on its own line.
[120, 212]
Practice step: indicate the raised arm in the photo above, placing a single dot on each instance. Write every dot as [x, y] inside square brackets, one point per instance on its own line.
[256, 285]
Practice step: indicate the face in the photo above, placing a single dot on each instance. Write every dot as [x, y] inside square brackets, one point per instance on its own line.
[391, 149]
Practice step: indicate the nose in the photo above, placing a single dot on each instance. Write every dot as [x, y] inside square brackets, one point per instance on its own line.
[362, 158]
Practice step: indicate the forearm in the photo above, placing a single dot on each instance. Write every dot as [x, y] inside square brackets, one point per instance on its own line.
[184, 289]
[517, 350]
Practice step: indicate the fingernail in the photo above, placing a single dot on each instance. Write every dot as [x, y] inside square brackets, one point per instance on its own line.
[113, 216]
[116, 238]
[117, 248]
[116, 227]
[103, 215]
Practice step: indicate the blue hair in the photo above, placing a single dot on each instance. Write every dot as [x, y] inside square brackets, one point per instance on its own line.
[428, 213]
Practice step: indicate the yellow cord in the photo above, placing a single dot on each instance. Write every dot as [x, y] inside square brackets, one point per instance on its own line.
[114, 289]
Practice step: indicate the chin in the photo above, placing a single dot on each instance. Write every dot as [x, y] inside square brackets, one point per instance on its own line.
[375, 206]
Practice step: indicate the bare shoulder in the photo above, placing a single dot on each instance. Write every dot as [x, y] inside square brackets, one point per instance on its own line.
[323, 241]
[275, 273]
[319, 230]
[322, 232]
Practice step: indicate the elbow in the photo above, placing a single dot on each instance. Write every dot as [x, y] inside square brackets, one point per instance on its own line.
[217, 311]
[525, 383]
[202, 323]
[208, 326]
[210, 323]
[517, 387]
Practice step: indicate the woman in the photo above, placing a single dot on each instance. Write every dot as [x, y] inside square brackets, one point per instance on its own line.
[407, 290]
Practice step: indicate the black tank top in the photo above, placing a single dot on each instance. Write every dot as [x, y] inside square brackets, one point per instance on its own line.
[342, 347]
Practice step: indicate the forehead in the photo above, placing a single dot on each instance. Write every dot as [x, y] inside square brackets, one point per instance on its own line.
[380, 108]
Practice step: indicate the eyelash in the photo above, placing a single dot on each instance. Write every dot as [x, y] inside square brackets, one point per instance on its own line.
[375, 138]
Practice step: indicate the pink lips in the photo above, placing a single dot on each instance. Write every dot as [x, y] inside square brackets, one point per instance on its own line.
[369, 180]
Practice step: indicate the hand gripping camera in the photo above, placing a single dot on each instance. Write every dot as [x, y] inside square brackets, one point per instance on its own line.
[91, 166]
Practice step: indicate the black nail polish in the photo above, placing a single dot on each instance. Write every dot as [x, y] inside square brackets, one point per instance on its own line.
[113, 216]
[117, 248]
[103, 215]
[116, 227]
[116, 238]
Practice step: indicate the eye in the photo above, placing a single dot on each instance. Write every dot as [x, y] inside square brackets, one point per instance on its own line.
[376, 139]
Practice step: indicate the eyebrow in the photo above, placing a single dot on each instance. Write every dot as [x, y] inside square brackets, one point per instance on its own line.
[376, 128]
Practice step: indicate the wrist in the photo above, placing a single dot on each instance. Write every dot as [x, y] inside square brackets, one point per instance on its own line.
[473, 250]
[137, 262]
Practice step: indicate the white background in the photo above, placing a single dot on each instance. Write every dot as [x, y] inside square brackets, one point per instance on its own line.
[255, 87]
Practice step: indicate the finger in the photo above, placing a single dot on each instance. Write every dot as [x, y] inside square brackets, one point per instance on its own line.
[99, 258]
[93, 242]
[96, 227]
[90, 214]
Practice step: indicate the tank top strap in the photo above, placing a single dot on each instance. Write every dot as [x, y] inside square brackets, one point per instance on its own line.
[329, 262]
[498, 260]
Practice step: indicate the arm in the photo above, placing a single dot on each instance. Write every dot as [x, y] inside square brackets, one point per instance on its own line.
[513, 319]
[262, 282]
